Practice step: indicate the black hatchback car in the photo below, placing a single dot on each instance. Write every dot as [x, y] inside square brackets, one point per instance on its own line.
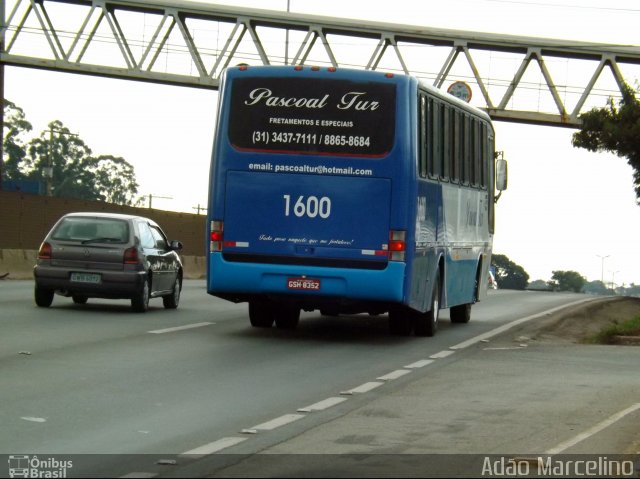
[105, 255]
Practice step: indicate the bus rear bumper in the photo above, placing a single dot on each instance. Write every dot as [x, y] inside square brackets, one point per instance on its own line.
[245, 279]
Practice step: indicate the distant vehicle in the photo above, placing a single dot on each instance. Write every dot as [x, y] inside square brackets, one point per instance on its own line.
[349, 191]
[104, 255]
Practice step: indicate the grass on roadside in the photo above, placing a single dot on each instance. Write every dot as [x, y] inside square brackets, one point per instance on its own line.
[626, 328]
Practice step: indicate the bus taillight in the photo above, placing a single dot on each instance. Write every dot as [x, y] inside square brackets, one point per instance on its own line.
[397, 245]
[217, 236]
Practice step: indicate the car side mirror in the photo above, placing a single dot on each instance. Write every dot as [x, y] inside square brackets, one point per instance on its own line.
[175, 245]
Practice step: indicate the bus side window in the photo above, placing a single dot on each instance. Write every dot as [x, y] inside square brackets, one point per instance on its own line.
[455, 146]
[422, 135]
[446, 144]
[483, 156]
[477, 154]
[435, 149]
[466, 168]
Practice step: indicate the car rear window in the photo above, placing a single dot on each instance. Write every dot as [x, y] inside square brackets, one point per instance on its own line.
[92, 230]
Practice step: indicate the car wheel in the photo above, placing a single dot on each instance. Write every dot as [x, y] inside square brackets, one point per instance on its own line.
[79, 299]
[43, 297]
[261, 314]
[171, 301]
[140, 302]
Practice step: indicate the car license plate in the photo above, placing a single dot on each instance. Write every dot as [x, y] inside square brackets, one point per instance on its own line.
[303, 283]
[86, 278]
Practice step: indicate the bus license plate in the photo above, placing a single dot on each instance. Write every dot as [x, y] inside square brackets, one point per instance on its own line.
[303, 283]
[85, 278]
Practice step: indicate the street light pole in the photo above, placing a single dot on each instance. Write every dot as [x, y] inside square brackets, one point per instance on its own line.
[613, 279]
[602, 267]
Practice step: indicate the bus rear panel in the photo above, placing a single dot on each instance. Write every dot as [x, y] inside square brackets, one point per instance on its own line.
[316, 198]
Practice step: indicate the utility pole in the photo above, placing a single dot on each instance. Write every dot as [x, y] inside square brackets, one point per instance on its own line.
[198, 208]
[48, 170]
[2, 30]
[151, 197]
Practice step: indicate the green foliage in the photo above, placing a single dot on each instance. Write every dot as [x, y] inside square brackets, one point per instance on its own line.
[615, 129]
[538, 285]
[596, 287]
[627, 328]
[16, 127]
[567, 281]
[508, 274]
[75, 172]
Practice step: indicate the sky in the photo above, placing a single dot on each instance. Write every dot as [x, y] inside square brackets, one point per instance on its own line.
[565, 208]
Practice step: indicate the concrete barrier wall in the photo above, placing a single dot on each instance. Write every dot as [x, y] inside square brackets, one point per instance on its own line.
[25, 219]
[18, 263]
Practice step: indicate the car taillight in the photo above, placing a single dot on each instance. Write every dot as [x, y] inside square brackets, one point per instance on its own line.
[131, 256]
[217, 236]
[397, 245]
[45, 251]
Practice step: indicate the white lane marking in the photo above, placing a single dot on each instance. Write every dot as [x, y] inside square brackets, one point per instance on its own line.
[563, 446]
[510, 348]
[322, 405]
[419, 364]
[277, 422]
[441, 354]
[214, 446]
[34, 419]
[398, 373]
[363, 388]
[179, 328]
[505, 327]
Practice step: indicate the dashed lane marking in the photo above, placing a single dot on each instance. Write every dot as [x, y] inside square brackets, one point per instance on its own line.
[179, 328]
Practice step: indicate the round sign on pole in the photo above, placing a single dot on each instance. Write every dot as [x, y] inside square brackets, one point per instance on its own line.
[460, 90]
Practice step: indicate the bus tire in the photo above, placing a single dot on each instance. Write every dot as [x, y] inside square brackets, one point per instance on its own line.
[287, 316]
[261, 314]
[460, 314]
[400, 321]
[426, 324]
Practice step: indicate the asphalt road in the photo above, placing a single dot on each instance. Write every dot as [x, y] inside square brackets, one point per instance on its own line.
[127, 390]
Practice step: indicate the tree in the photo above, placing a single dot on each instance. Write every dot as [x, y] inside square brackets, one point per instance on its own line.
[508, 274]
[15, 129]
[567, 281]
[616, 129]
[538, 285]
[75, 173]
[596, 287]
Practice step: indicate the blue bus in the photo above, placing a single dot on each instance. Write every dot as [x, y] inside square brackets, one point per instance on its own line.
[348, 192]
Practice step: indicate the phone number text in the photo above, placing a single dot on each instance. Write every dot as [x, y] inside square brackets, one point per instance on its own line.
[288, 138]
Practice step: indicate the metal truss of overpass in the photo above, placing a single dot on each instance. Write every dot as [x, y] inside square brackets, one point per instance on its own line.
[523, 79]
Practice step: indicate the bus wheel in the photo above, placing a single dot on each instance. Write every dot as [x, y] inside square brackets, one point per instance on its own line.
[261, 314]
[461, 313]
[426, 324]
[400, 321]
[287, 316]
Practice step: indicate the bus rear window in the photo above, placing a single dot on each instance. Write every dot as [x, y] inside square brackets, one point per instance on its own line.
[312, 116]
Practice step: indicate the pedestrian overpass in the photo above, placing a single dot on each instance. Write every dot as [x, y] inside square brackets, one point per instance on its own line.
[521, 79]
